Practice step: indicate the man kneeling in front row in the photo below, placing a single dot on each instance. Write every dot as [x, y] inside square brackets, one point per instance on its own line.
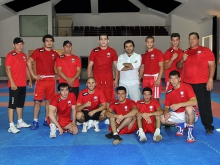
[123, 120]
[60, 109]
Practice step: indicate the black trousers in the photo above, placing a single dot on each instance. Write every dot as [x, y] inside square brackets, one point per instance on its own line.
[204, 104]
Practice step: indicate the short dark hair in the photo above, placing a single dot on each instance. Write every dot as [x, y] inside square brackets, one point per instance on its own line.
[194, 33]
[103, 34]
[175, 35]
[129, 41]
[90, 78]
[149, 37]
[174, 73]
[121, 88]
[47, 36]
[63, 85]
[147, 89]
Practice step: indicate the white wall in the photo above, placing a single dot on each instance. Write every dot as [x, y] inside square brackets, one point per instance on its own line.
[117, 19]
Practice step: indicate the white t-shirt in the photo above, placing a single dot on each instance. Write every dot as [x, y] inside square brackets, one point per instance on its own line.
[129, 77]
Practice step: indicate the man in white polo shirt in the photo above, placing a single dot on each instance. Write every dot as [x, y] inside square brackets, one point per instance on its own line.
[128, 64]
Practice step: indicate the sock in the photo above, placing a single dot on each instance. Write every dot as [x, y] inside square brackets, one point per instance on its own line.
[182, 125]
[19, 121]
[36, 120]
[45, 119]
[115, 133]
[141, 130]
[118, 130]
[11, 124]
[157, 131]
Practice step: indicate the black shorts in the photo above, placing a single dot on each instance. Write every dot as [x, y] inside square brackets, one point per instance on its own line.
[75, 90]
[94, 117]
[17, 97]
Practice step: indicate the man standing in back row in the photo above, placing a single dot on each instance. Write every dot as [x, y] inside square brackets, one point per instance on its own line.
[198, 63]
[45, 85]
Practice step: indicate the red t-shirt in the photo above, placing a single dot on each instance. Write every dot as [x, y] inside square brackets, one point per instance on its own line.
[69, 65]
[18, 64]
[122, 108]
[45, 61]
[151, 60]
[167, 56]
[64, 107]
[148, 108]
[103, 59]
[182, 94]
[195, 68]
[96, 98]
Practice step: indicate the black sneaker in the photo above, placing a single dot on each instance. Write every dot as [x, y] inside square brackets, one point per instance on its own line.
[209, 131]
[117, 139]
[109, 135]
[167, 127]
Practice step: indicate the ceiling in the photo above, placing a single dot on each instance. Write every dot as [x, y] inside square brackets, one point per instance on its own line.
[194, 10]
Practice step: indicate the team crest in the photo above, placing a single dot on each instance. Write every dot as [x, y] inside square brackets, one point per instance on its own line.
[199, 52]
[108, 54]
[151, 108]
[24, 58]
[152, 56]
[171, 50]
[126, 108]
[181, 93]
[95, 98]
[73, 60]
[53, 57]
[69, 103]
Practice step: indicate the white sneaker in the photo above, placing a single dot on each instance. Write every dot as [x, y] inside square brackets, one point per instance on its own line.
[85, 124]
[142, 136]
[78, 123]
[13, 129]
[157, 137]
[90, 124]
[52, 131]
[107, 121]
[96, 125]
[22, 125]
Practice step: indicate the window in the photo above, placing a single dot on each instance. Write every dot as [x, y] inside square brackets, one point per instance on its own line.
[33, 25]
[84, 61]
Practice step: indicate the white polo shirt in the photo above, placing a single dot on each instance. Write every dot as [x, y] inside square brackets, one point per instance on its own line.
[129, 77]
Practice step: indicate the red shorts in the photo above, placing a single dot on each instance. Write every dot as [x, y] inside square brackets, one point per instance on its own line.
[148, 127]
[125, 130]
[62, 121]
[45, 89]
[148, 81]
[105, 83]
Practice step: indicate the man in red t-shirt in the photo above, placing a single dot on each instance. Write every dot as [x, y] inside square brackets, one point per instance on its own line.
[148, 115]
[62, 111]
[45, 85]
[182, 102]
[123, 120]
[91, 106]
[101, 59]
[17, 70]
[152, 68]
[198, 63]
[69, 68]
[171, 57]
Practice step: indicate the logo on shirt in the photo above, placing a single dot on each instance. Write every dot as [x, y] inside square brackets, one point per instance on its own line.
[59, 99]
[116, 103]
[126, 108]
[152, 56]
[69, 103]
[41, 50]
[108, 54]
[86, 93]
[142, 102]
[171, 50]
[181, 93]
[53, 57]
[14, 53]
[95, 98]
[199, 52]
[151, 108]
[73, 60]
[24, 58]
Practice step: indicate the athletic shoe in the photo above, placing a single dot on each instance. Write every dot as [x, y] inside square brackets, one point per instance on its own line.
[190, 137]
[22, 125]
[96, 126]
[181, 127]
[45, 123]
[109, 135]
[84, 127]
[34, 125]
[52, 131]
[107, 122]
[13, 129]
[166, 127]
[117, 139]
[142, 136]
[90, 124]
[209, 131]
[78, 123]
[157, 137]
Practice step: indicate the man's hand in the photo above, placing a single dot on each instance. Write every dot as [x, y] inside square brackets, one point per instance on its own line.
[91, 113]
[175, 55]
[185, 56]
[115, 84]
[60, 130]
[30, 84]
[167, 116]
[13, 86]
[209, 84]
[157, 83]
[146, 117]
[88, 104]
[174, 107]
[119, 119]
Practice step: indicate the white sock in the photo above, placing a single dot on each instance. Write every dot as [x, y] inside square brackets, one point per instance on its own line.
[141, 130]
[118, 130]
[157, 131]
[19, 121]
[11, 124]
[115, 133]
[36, 120]
[45, 119]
